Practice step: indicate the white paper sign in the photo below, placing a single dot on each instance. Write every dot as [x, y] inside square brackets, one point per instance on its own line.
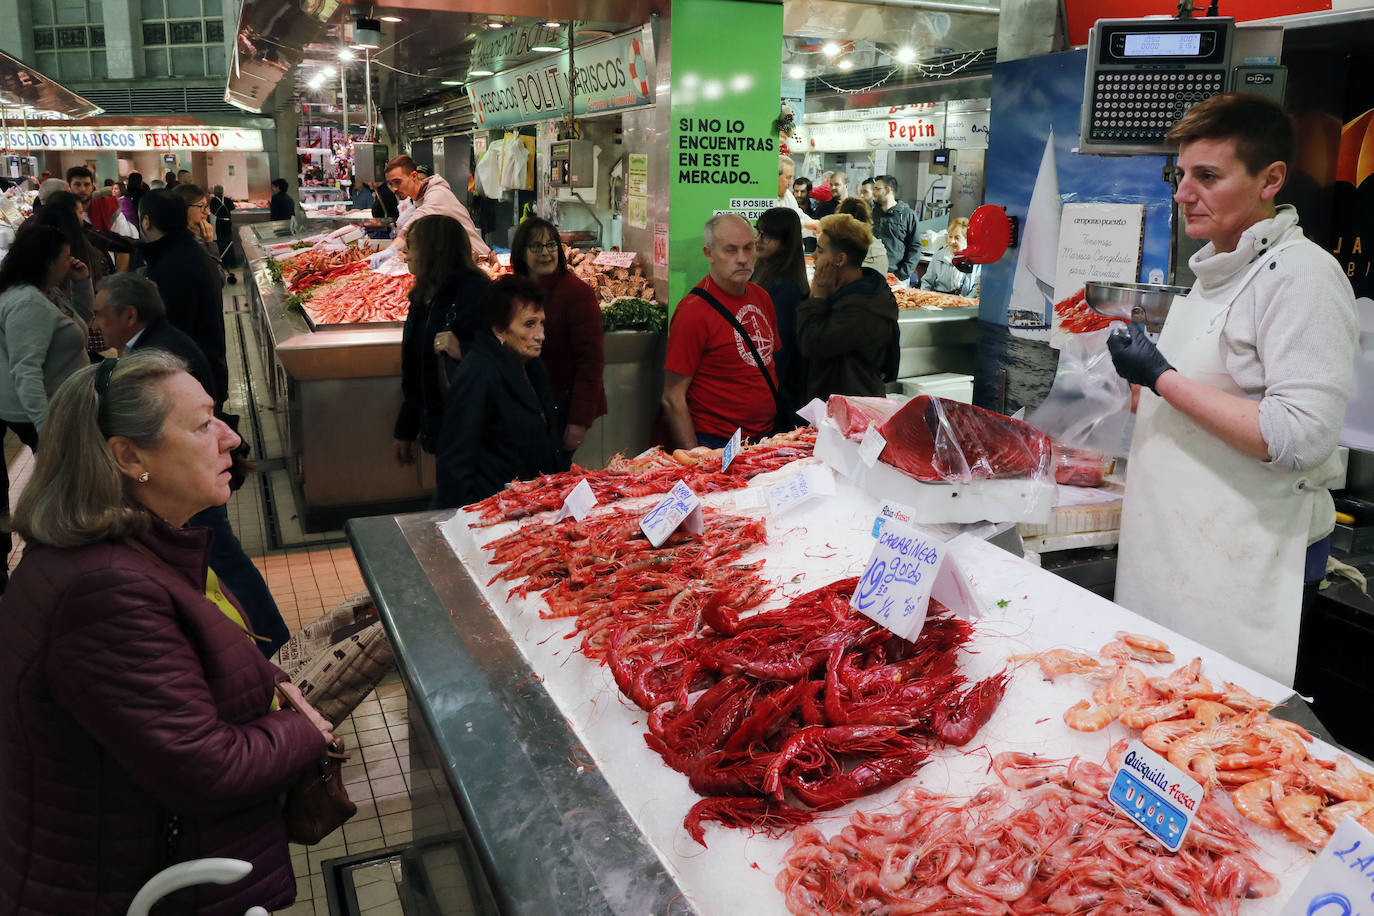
[1096, 242]
[814, 412]
[800, 488]
[678, 507]
[731, 450]
[953, 587]
[1155, 794]
[871, 446]
[895, 587]
[615, 259]
[890, 511]
[1341, 881]
[578, 502]
[750, 498]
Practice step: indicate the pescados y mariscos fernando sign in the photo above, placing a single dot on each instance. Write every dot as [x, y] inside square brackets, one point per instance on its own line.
[612, 75]
[135, 139]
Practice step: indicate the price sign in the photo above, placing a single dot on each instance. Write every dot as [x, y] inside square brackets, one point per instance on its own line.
[750, 498]
[953, 586]
[895, 587]
[615, 259]
[890, 511]
[799, 488]
[731, 450]
[678, 507]
[1155, 794]
[1341, 882]
[813, 412]
[578, 502]
[872, 446]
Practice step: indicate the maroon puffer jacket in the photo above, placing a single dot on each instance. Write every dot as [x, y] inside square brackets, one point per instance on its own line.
[126, 697]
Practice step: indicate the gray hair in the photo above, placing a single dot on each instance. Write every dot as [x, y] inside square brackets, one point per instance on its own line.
[133, 291]
[219, 190]
[77, 494]
[709, 231]
[786, 164]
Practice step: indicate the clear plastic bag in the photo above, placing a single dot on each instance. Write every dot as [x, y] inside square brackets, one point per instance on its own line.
[938, 440]
[1089, 405]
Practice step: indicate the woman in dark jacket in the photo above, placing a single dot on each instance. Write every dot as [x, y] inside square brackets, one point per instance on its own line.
[499, 422]
[384, 202]
[439, 327]
[137, 720]
[781, 270]
[574, 345]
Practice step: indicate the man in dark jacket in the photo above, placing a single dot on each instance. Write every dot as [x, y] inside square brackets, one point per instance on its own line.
[131, 315]
[187, 279]
[281, 206]
[222, 209]
[847, 328]
[895, 224]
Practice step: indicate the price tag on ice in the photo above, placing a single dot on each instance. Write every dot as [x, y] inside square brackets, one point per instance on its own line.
[895, 587]
[799, 488]
[679, 507]
[615, 259]
[731, 450]
[872, 446]
[578, 502]
[1341, 881]
[1155, 794]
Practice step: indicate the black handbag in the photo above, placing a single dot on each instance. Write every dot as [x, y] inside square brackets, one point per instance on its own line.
[784, 420]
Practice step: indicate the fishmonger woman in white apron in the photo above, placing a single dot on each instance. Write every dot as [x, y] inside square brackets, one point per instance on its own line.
[1235, 439]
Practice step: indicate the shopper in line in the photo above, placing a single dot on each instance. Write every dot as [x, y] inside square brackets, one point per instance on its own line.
[198, 221]
[133, 318]
[439, 328]
[574, 339]
[169, 180]
[128, 201]
[858, 208]
[848, 326]
[712, 384]
[895, 223]
[866, 192]
[100, 210]
[363, 197]
[780, 269]
[280, 206]
[62, 211]
[499, 420]
[384, 203]
[431, 194]
[139, 725]
[187, 279]
[1236, 437]
[222, 208]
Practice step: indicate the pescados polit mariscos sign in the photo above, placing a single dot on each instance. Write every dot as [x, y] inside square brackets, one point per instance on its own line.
[198, 139]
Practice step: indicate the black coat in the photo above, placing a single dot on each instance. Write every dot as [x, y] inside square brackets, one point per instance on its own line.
[384, 202]
[281, 206]
[498, 425]
[163, 335]
[190, 283]
[454, 309]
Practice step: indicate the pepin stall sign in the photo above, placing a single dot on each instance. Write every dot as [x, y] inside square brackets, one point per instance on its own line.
[578, 502]
[1341, 881]
[1155, 794]
[800, 488]
[871, 446]
[895, 587]
[731, 450]
[680, 507]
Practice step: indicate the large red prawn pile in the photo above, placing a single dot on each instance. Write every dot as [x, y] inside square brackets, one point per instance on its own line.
[1062, 849]
[1077, 317]
[311, 268]
[654, 472]
[360, 296]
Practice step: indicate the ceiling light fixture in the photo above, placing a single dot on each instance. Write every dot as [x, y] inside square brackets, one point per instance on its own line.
[347, 54]
[493, 24]
[846, 64]
[390, 18]
[552, 24]
[316, 82]
[906, 56]
[830, 49]
[480, 73]
[330, 72]
[546, 49]
[796, 73]
[450, 82]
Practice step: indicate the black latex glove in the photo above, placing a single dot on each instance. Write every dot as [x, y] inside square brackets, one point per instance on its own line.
[1137, 360]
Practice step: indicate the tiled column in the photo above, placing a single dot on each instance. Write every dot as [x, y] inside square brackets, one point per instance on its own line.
[123, 39]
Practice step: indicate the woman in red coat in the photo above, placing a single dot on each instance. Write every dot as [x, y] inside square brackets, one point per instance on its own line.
[137, 722]
[574, 341]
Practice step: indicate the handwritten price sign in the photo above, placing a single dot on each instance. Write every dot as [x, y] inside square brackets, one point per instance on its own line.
[895, 587]
[1341, 882]
[679, 506]
[800, 488]
[731, 450]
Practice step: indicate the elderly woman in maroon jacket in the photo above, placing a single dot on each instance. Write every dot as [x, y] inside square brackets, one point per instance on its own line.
[138, 726]
[574, 342]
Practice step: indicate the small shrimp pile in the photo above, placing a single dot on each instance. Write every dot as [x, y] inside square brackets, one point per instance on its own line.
[654, 472]
[1063, 849]
[1222, 735]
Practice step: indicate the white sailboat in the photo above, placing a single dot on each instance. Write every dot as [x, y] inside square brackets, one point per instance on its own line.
[1032, 286]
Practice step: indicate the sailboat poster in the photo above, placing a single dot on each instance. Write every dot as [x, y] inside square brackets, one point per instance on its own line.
[1032, 170]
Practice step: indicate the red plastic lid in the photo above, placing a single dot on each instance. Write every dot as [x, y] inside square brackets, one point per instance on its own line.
[989, 235]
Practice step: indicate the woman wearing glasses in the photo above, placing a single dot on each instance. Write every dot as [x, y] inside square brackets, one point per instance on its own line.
[574, 342]
[198, 221]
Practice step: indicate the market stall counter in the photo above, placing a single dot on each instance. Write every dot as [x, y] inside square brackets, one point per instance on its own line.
[528, 745]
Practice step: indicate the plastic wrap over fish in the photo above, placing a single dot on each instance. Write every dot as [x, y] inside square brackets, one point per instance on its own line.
[937, 440]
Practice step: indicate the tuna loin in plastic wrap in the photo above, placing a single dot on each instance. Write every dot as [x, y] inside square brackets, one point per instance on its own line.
[853, 414]
[937, 440]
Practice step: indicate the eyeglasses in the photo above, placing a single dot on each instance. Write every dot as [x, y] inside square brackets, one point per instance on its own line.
[546, 247]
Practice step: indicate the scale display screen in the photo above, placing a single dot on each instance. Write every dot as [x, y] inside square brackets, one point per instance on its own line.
[1164, 44]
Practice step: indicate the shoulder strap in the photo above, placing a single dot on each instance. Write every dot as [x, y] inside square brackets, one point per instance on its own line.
[748, 342]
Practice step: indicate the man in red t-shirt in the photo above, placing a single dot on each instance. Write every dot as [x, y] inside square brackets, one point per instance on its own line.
[712, 385]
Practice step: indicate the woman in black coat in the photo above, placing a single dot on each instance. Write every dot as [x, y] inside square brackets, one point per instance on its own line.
[499, 422]
[439, 327]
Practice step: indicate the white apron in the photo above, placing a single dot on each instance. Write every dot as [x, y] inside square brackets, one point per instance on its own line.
[1212, 541]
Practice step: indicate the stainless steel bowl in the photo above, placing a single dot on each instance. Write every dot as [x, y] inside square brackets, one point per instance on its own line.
[1133, 301]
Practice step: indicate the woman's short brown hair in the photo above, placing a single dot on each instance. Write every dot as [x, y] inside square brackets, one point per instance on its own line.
[848, 235]
[77, 494]
[1261, 131]
[437, 250]
[856, 207]
[520, 244]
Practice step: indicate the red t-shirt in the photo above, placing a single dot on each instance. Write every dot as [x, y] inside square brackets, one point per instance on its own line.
[727, 390]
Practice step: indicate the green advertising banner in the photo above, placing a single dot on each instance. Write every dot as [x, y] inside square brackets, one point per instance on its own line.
[723, 154]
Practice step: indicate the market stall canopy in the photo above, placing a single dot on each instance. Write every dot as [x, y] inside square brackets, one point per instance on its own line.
[25, 91]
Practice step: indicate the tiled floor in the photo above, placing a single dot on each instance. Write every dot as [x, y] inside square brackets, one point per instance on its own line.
[306, 582]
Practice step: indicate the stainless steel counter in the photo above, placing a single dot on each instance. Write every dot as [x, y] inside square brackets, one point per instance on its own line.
[943, 341]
